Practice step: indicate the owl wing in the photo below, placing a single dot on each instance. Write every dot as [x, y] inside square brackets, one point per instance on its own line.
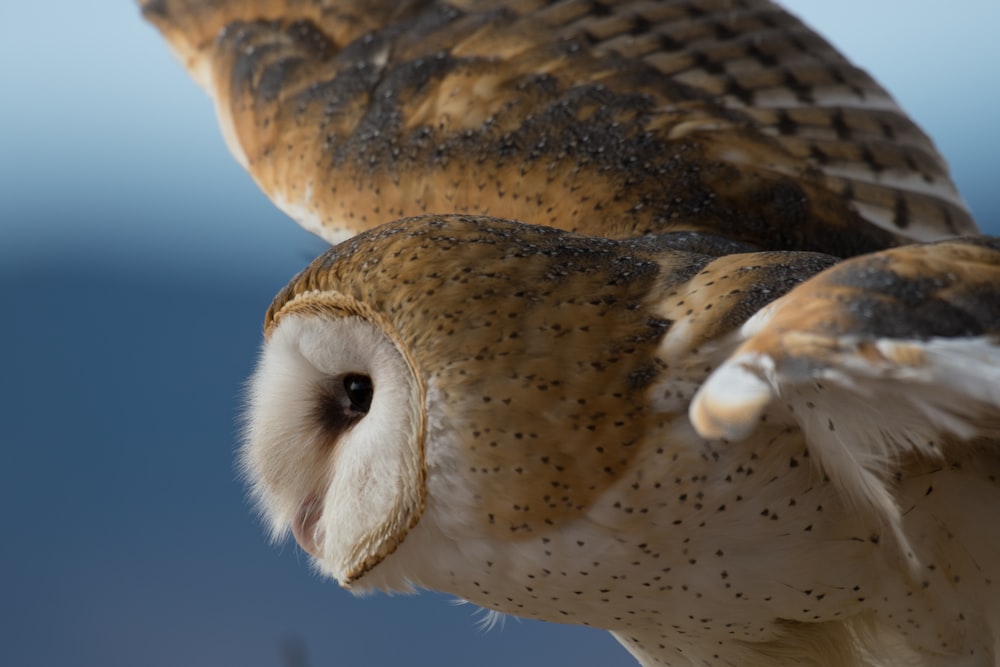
[876, 359]
[610, 118]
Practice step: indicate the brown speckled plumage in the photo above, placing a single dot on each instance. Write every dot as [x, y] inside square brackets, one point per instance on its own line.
[634, 118]
[647, 315]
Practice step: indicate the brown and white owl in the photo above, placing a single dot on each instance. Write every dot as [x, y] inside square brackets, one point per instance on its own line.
[653, 316]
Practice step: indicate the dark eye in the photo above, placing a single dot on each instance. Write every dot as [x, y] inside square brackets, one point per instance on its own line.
[359, 390]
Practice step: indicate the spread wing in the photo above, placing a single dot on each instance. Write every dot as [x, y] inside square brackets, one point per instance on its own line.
[608, 118]
[887, 357]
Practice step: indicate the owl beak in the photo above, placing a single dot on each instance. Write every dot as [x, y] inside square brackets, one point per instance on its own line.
[304, 525]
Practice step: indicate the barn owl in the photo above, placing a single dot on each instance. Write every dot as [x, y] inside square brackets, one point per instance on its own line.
[657, 317]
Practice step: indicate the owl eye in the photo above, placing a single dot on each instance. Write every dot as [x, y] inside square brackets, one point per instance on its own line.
[344, 401]
[359, 390]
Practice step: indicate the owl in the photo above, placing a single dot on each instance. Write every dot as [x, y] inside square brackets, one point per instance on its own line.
[653, 316]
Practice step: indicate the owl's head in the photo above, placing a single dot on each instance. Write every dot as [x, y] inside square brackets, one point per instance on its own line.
[518, 354]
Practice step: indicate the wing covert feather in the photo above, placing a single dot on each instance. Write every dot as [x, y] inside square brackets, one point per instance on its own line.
[624, 119]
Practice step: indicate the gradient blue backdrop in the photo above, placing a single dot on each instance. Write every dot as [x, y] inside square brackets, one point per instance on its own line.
[136, 261]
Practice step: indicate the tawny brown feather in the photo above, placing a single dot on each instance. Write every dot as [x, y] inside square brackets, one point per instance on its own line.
[615, 119]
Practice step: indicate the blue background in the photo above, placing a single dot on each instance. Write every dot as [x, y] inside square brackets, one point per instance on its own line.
[136, 262]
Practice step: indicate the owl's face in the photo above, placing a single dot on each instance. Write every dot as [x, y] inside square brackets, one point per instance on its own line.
[457, 359]
[337, 432]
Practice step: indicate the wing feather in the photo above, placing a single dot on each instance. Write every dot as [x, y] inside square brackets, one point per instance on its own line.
[615, 119]
[888, 358]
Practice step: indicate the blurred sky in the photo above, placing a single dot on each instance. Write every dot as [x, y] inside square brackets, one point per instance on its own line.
[136, 262]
